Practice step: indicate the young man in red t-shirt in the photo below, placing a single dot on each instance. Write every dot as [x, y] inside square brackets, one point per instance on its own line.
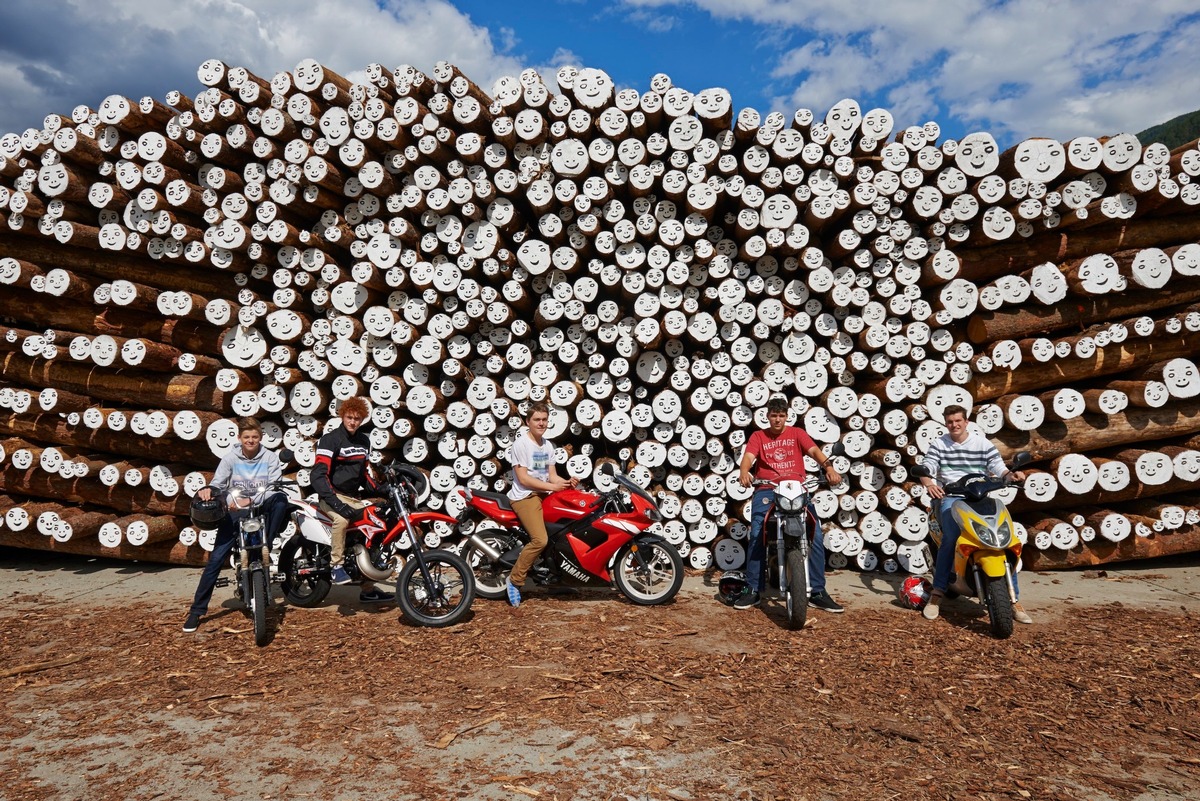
[777, 453]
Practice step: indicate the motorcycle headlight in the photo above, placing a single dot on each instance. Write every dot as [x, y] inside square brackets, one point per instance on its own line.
[786, 504]
[252, 524]
[652, 514]
[998, 537]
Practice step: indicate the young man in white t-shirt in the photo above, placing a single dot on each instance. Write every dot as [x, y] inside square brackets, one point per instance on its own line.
[532, 457]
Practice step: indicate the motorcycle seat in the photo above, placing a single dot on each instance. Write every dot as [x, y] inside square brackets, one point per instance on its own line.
[499, 498]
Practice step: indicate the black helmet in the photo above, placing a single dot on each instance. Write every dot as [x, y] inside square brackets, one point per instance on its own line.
[731, 586]
[415, 480]
[208, 514]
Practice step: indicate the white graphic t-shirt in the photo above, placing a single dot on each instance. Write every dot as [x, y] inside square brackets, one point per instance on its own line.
[535, 458]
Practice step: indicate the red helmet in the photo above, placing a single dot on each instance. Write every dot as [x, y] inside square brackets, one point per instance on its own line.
[915, 591]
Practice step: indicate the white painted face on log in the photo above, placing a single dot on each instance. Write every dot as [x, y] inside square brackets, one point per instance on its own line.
[977, 154]
[221, 435]
[1047, 283]
[565, 77]
[1153, 267]
[1040, 487]
[569, 158]
[507, 90]
[1098, 274]
[1043, 349]
[999, 222]
[677, 101]
[104, 350]
[1040, 159]
[593, 89]
[157, 424]
[1181, 378]
[133, 351]
[1026, 412]
[1186, 259]
[1121, 152]
[601, 150]
[534, 256]
[712, 103]
[80, 348]
[335, 125]
[308, 75]
[52, 179]
[685, 132]
[877, 124]
[778, 212]
[844, 119]
[929, 158]
[1085, 152]
[913, 137]
[244, 346]
[113, 109]
[1186, 465]
[528, 124]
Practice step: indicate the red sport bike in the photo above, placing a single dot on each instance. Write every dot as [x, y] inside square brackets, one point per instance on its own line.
[595, 538]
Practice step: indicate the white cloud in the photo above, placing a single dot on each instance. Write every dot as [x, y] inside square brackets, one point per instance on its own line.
[56, 54]
[1018, 69]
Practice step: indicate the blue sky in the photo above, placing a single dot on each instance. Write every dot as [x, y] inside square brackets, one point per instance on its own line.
[1058, 68]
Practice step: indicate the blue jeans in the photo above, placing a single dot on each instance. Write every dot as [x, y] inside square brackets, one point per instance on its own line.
[943, 566]
[756, 550]
[275, 511]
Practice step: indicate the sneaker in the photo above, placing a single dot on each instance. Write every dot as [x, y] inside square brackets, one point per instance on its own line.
[821, 600]
[375, 596]
[192, 623]
[931, 610]
[1020, 615]
[748, 600]
[339, 575]
[514, 595]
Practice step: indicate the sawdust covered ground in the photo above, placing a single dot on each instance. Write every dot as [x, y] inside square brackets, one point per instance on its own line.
[589, 697]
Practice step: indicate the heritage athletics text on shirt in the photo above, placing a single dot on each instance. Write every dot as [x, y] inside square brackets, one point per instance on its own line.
[780, 458]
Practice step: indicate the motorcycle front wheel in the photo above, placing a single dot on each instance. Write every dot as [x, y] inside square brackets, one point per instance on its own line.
[258, 604]
[797, 589]
[999, 606]
[303, 584]
[443, 602]
[648, 573]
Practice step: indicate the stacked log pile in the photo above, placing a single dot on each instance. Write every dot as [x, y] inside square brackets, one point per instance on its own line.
[653, 264]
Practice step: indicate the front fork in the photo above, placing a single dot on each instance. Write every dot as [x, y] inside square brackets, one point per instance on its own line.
[781, 550]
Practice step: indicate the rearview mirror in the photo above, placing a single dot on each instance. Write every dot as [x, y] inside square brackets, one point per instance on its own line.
[606, 469]
[921, 471]
[1021, 458]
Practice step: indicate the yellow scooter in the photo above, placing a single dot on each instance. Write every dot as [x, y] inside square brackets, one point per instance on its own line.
[987, 551]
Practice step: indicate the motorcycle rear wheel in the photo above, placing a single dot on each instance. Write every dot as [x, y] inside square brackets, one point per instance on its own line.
[797, 589]
[658, 581]
[449, 598]
[999, 606]
[302, 585]
[490, 577]
[259, 600]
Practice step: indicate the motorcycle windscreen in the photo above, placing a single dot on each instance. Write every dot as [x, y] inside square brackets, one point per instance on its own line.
[984, 507]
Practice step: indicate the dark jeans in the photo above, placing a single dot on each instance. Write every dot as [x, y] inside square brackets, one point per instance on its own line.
[756, 550]
[943, 566]
[275, 511]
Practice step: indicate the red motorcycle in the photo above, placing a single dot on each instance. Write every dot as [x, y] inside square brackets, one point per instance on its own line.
[433, 587]
[594, 538]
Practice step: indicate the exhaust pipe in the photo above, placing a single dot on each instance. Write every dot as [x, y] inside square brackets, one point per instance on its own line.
[363, 560]
[487, 550]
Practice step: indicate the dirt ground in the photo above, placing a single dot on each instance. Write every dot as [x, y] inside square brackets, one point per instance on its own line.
[589, 697]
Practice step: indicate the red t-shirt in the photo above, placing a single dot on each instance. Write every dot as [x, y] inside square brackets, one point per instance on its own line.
[780, 458]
